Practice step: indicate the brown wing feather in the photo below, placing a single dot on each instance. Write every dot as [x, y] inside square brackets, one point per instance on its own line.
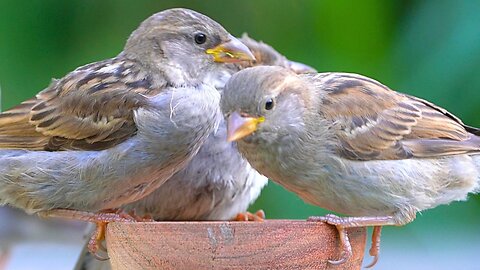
[89, 109]
[375, 122]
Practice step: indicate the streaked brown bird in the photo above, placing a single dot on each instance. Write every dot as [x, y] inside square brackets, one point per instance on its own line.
[349, 144]
[111, 132]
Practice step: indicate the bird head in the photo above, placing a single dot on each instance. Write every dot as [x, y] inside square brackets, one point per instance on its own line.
[185, 40]
[263, 103]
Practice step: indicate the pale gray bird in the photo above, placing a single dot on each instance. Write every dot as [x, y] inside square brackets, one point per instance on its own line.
[111, 132]
[349, 144]
[218, 183]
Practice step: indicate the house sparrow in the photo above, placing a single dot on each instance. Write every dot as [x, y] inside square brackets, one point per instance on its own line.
[218, 183]
[111, 132]
[349, 144]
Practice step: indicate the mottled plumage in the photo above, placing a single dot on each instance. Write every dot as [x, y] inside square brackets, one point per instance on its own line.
[377, 123]
[351, 145]
[89, 109]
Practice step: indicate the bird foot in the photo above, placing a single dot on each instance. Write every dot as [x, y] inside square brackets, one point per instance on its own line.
[134, 215]
[345, 245]
[247, 216]
[350, 222]
[95, 244]
[375, 248]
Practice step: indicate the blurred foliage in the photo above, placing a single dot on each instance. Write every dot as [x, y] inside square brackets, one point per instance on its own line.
[430, 49]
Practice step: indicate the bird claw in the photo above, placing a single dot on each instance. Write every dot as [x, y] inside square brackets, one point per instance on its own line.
[247, 216]
[133, 215]
[95, 244]
[331, 219]
[374, 261]
[375, 248]
[345, 245]
[339, 223]
[343, 259]
[98, 256]
[317, 219]
[349, 222]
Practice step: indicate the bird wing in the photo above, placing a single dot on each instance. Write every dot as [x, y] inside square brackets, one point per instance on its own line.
[89, 109]
[375, 122]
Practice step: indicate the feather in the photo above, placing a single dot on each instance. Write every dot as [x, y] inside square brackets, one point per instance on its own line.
[375, 122]
[89, 109]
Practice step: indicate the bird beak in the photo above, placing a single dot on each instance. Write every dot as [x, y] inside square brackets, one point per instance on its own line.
[232, 51]
[239, 126]
[300, 68]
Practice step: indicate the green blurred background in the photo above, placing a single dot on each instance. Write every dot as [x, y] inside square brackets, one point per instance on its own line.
[429, 49]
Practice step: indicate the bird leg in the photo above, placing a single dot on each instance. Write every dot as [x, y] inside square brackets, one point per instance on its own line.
[95, 243]
[341, 223]
[247, 216]
[100, 219]
[375, 248]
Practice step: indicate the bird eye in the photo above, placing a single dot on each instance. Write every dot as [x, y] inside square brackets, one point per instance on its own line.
[269, 104]
[200, 38]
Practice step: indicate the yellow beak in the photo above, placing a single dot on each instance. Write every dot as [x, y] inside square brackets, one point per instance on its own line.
[241, 126]
[232, 51]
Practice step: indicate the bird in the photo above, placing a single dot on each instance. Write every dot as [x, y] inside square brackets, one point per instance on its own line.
[218, 183]
[349, 144]
[111, 132]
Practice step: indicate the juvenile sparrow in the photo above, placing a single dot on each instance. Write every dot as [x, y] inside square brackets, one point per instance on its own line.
[351, 145]
[218, 183]
[113, 131]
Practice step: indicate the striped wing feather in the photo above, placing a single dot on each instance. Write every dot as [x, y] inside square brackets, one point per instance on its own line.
[375, 122]
[89, 109]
